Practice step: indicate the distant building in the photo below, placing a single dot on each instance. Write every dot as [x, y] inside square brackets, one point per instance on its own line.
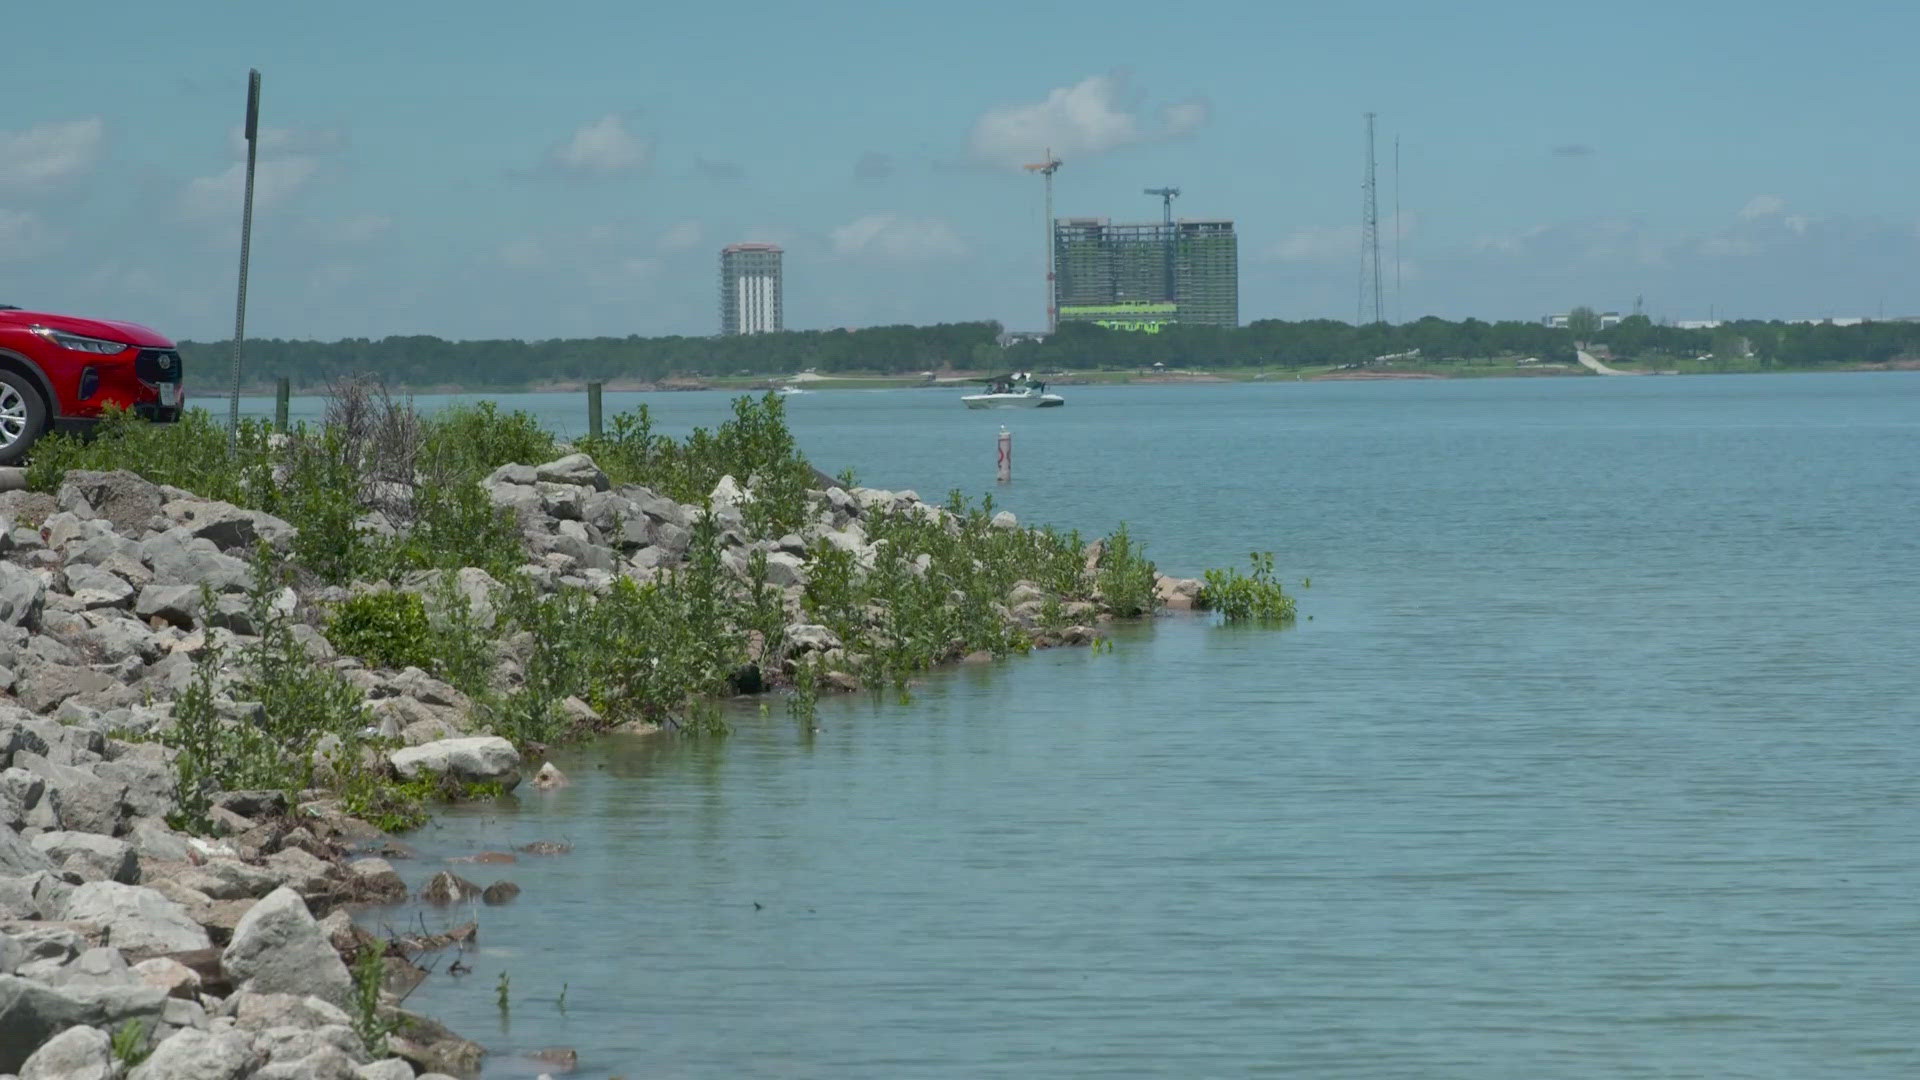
[1608, 319]
[1141, 277]
[750, 289]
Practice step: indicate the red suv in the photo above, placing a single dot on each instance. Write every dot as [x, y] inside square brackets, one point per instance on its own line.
[58, 371]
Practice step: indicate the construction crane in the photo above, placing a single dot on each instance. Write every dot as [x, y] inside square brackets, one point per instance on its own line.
[1046, 169]
[1167, 195]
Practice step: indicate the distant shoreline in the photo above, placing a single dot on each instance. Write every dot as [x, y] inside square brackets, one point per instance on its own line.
[956, 379]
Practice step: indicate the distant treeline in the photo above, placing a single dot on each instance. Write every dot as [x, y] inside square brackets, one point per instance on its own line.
[895, 350]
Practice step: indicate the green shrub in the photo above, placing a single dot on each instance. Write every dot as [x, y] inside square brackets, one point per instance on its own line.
[319, 494]
[387, 628]
[191, 454]
[754, 447]
[473, 440]
[1125, 577]
[294, 702]
[1253, 598]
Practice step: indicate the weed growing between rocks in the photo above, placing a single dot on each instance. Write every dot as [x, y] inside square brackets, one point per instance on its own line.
[387, 627]
[369, 1023]
[131, 1044]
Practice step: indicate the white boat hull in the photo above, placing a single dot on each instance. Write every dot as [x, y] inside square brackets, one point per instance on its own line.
[1021, 400]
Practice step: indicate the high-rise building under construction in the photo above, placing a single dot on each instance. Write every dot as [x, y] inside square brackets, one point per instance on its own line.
[1140, 277]
[750, 289]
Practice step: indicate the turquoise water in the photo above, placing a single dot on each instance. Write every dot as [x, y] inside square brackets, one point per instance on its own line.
[1596, 759]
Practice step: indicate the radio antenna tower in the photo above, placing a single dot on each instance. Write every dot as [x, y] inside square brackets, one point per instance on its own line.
[1046, 169]
[1370, 238]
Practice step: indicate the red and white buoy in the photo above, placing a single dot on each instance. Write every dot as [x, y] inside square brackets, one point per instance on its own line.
[1006, 454]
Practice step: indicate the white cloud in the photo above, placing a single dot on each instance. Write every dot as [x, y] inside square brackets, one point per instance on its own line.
[23, 235]
[210, 198]
[685, 236]
[604, 146]
[1762, 206]
[47, 155]
[898, 238]
[1092, 116]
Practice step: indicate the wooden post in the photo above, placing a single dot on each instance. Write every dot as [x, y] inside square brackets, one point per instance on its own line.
[1006, 454]
[593, 409]
[282, 391]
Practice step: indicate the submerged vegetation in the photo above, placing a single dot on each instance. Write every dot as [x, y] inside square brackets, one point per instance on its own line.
[1255, 597]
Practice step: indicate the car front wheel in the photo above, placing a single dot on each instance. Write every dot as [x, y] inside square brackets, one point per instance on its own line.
[23, 417]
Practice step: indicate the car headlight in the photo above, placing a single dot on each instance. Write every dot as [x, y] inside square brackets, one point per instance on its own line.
[77, 343]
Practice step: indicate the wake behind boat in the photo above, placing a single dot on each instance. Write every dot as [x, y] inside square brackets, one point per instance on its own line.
[1020, 390]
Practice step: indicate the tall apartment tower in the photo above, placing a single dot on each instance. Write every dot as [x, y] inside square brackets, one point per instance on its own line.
[750, 289]
[1141, 277]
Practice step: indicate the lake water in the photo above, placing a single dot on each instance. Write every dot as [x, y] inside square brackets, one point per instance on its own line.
[1596, 758]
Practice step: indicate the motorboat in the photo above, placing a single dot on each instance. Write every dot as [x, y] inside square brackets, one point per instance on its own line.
[789, 390]
[1019, 390]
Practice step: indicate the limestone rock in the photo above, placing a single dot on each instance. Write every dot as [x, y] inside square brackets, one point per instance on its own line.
[18, 857]
[549, 777]
[227, 526]
[96, 588]
[729, 493]
[446, 887]
[228, 879]
[90, 855]
[513, 474]
[78, 1053]
[811, 637]
[278, 947]
[43, 686]
[330, 1052]
[137, 919]
[23, 594]
[385, 1069]
[785, 569]
[484, 759]
[375, 880]
[179, 557]
[126, 500]
[32, 1013]
[169, 975]
[177, 605]
[301, 871]
[199, 1055]
[573, 469]
[255, 1011]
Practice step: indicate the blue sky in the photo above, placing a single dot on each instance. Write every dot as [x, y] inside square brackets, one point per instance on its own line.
[505, 169]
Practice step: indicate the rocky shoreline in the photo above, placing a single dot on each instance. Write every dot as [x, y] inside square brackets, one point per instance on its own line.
[234, 954]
